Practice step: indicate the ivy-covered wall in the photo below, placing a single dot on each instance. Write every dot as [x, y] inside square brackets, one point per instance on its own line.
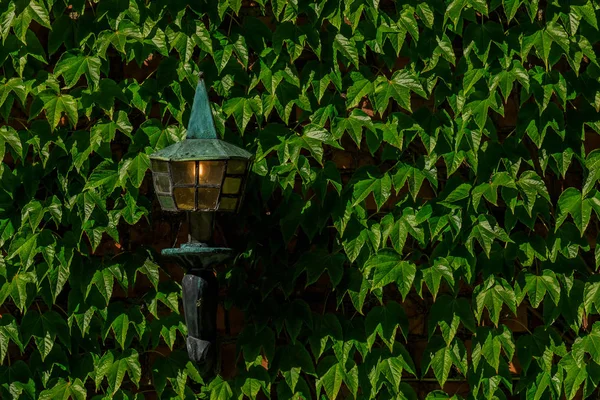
[420, 221]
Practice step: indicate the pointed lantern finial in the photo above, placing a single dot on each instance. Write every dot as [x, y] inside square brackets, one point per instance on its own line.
[201, 125]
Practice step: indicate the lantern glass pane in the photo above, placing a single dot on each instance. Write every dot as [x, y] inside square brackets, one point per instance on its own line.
[185, 198]
[167, 203]
[162, 183]
[210, 172]
[236, 167]
[207, 198]
[184, 173]
[228, 203]
[232, 185]
[160, 166]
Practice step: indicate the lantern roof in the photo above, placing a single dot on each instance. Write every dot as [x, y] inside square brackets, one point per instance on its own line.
[201, 150]
[201, 142]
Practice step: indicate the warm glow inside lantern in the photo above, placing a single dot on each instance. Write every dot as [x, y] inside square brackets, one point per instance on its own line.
[201, 173]
[199, 185]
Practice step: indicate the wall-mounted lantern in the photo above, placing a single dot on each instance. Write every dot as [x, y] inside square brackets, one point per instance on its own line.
[200, 175]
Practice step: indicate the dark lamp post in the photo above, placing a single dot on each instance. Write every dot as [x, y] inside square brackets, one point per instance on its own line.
[200, 175]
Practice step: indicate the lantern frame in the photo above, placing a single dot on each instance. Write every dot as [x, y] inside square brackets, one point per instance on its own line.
[228, 174]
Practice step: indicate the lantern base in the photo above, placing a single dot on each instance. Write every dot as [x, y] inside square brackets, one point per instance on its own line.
[200, 294]
[192, 256]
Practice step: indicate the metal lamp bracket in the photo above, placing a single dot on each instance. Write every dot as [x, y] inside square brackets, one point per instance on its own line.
[197, 257]
[200, 289]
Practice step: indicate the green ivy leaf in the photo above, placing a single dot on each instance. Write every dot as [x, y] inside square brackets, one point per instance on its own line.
[347, 47]
[571, 202]
[485, 232]
[44, 328]
[380, 188]
[538, 285]
[105, 176]
[575, 375]
[71, 67]
[510, 8]
[434, 274]
[25, 248]
[220, 389]
[9, 331]
[65, 390]
[138, 167]
[13, 85]
[103, 279]
[10, 136]
[532, 186]
[493, 294]
[151, 271]
[331, 376]
[440, 357]
[383, 321]
[243, 109]
[316, 263]
[389, 267]
[55, 105]
[202, 38]
[399, 87]
[127, 362]
[448, 313]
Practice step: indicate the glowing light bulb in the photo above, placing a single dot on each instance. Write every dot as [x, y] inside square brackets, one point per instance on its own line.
[201, 169]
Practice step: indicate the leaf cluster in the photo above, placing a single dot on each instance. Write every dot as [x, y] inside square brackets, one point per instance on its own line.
[423, 206]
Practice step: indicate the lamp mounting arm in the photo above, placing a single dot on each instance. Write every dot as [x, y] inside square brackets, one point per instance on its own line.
[200, 297]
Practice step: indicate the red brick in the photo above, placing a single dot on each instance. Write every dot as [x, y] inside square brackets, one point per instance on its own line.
[592, 141]
[426, 192]
[518, 323]
[459, 388]
[469, 347]
[416, 350]
[370, 203]
[515, 366]
[228, 360]
[366, 107]
[220, 319]
[416, 316]
[236, 320]
[343, 159]
[511, 110]
[401, 62]
[365, 159]
[141, 72]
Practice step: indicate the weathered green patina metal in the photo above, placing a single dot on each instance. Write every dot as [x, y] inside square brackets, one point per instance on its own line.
[201, 150]
[201, 125]
[202, 172]
[197, 257]
[201, 143]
